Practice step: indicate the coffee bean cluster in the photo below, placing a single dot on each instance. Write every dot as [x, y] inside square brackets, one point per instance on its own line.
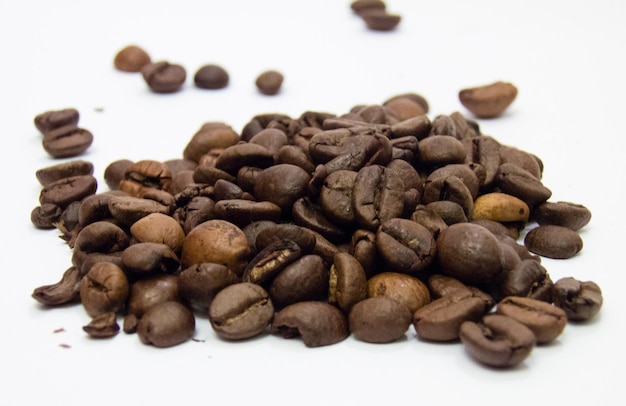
[323, 226]
[164, 76]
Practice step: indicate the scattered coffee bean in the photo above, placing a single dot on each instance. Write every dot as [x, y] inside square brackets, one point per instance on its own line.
[131, 58]
[269, 82]
[488, 101]
[53, 119]
[163, 76]
[553, 241]
[377, 19]
[581, 300]
[211, 76]
[67, 141]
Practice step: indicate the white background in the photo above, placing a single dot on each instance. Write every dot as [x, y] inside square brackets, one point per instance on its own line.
[565, 57]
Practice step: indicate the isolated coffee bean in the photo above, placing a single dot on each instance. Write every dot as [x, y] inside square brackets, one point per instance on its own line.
[497, 340]
[358, 6]
[104, 289]
[565, 214]
[269, 82]
[581, 300]
[53, 119]
[488, 101]
[544, 319]
[211, 76]
[65, 291]
[242, 310]
[406, 289]
[551, 241]
[379, 319]
[316, 323]
[380, 20]
[166, 324]
[163, 76]
[131, 58]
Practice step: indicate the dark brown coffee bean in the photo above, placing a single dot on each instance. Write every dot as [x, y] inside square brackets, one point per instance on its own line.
[269, 82]
[483, 152]
[85, 260]
[211, 76]
[233, 158]
[46, 216]
[101, 237]
[551, 241]
[441, 285]
[441, 319]
[522, 159]
[163, 76]
[429, 218]
[469, 253]
[497, 340]
[53, 119]
[216, 241]
[315, 323]
[307, 278]
[199, 283]
[406, 289]
[441, 150]
[380, 20]
[285, 231]
[527, 279]
[104, 289]
[144, 175]
[544, 319]
[150, 291]
[418, 127]
[520, 183]
[240, 311]
[377, 196]
[348, 282]
[103, 326]
[211, 136]
[406, 246]
[363, 248]
[166, 324]
[488, 101]
[565, 214]
[131, 58]
[282, 185]
[67, 141]
[243, 212]
[581, 300]
[358, 6]
[463, 172]
[148, 258]
[379, 320]
[114, 172]
[270, 261]
[129, 209]
[67, 290]
[67, 169]
[336, 197]
[449, 188]
[294, 155]
[307, 213]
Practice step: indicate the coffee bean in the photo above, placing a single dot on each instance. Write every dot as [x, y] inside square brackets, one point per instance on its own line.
[269, 82]
[501, 207]
[522, 184]
[552, 241]
[405, 245]
[114, 172]
[159, 228]
[581, 300]
[104, 289]
[527, 279]
[131, 58]
[46, 216]
[103, 326]
[305, 279]
[270, 261]
[348, 282]
[53, 119]
[358, 6]
[211, 76]
[67, 190]
[379, 320]
[141, 176]
[565, 214]
[67, 141]
[166, 324]
[150, 291]
[440, 150]
[377, 196]
[199, 283]
[163, 76]
[242, 310]
[62, 170]
[498, 341]
[65, 291]
[316, 323]
[488, 101]
[544, 319]
[149, 258]
[380, 20]
[406, 289]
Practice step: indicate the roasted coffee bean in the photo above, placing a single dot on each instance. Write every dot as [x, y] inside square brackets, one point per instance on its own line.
[488, 101]
[269, 82]
[418, 127]
[377, 196]
[522, 159]
[429, 218]
[498, 341]
[462, 171]
[440, 150]
[441, 319]
[216, 241]
[522, 184]
[166, 324]
[150, 291]
[379, 320]
[243, 212]
[148, 258]
[348, 282]
[527, 279]
[362, 5]
[449, 188]
[336, 197]
[544, 319]
[380, 20]
[101, 237]
[501, 207]
[211, 76]
[551, 241]
[285, 231]
[103, 326]
[282, 185]
[363, 248]
[309, 214]
[199, 283]
[129, 209]
[581, 300]
[240, 311]
[294, 155]
[114, 172]
[316, 323]
[67, 141]
[469, 253]
[483, 152]
[272, 259]
[104, 289]
[68, 169]
[65, 291]
[53, 119]
[46, 216]
[233, 158]
[131, 58]
[449, 211]
[163, 76]
[406, 289]
[211, 136]
[441, 285]
[565, 214]
[159, 228]
[406, 246]
[306, 278]
[403, 108]
[144, 175]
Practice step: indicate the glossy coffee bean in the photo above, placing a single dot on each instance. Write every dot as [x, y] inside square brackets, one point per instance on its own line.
[544, 319]
[316, 323]
[561, 213]
[488, 101]
[149, 291]
[348, 282]
[67, 141]
[406, 246]
[406, 289]
[551, 241]
[379, 320]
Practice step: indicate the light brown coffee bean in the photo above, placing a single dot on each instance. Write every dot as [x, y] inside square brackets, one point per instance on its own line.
[166, 324]
[544, 319]
[269, 82]
[131, 58]
[379, 320]
[316, 323]
[488, 101]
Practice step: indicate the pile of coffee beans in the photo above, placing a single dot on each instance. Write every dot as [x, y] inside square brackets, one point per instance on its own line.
[319, 227]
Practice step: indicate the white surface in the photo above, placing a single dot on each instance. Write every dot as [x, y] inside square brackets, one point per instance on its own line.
[566, 57]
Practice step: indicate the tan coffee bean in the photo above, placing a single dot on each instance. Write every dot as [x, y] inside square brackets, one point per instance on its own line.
[131, 59]
[488, 101]
[500, 207]
[406, 289]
